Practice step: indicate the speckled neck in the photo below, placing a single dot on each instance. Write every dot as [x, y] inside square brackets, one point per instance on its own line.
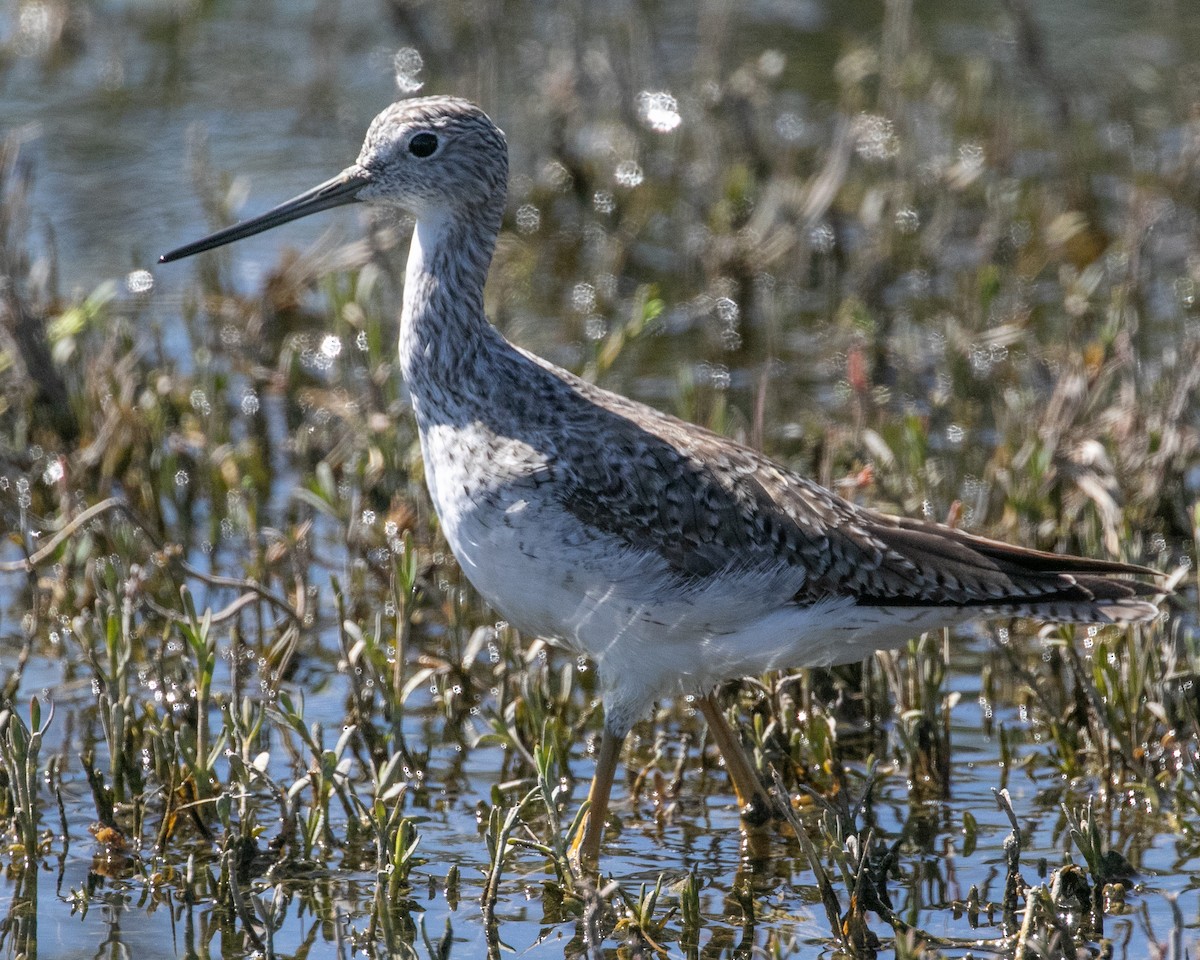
[444, 332]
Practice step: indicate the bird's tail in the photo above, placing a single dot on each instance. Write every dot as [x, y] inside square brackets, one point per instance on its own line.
[999, 579]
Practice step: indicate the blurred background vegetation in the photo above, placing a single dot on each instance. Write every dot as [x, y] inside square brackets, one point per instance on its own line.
[942, 257]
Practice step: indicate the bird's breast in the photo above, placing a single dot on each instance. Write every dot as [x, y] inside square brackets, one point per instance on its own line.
[492, 497]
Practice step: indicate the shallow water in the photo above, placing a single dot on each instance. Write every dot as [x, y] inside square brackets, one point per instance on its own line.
[280, 94]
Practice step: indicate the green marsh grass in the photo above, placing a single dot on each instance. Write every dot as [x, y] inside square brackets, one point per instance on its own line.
[279, 714]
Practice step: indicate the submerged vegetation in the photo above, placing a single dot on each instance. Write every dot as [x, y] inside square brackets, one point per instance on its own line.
[249, 703]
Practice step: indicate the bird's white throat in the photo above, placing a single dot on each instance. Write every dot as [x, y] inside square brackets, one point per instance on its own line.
[427, 239]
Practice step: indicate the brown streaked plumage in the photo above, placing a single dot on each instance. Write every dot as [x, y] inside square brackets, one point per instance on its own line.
[673, 557]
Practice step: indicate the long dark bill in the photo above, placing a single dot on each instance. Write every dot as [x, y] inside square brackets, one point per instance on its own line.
[340, 190]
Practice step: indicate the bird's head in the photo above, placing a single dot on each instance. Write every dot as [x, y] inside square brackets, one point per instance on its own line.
[431, 156]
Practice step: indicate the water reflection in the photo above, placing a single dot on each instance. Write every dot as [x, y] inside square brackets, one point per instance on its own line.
[20, 924]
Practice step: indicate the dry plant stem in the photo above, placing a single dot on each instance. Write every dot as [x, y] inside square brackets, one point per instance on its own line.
[116, 503]
[1028, 928]
[752, 797]
[829, 898]
[30, 563]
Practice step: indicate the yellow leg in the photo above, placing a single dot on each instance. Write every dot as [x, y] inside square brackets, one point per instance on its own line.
[585, 849]
[752, 796]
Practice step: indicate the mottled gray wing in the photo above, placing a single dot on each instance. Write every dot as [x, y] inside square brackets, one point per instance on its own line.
[707, 506]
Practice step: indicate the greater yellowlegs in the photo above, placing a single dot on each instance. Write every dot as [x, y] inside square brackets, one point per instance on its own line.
[673, 557]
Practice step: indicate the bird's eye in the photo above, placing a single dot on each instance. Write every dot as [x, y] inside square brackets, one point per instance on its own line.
[423, 145]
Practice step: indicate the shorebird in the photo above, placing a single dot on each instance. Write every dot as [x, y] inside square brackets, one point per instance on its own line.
[673, 557]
